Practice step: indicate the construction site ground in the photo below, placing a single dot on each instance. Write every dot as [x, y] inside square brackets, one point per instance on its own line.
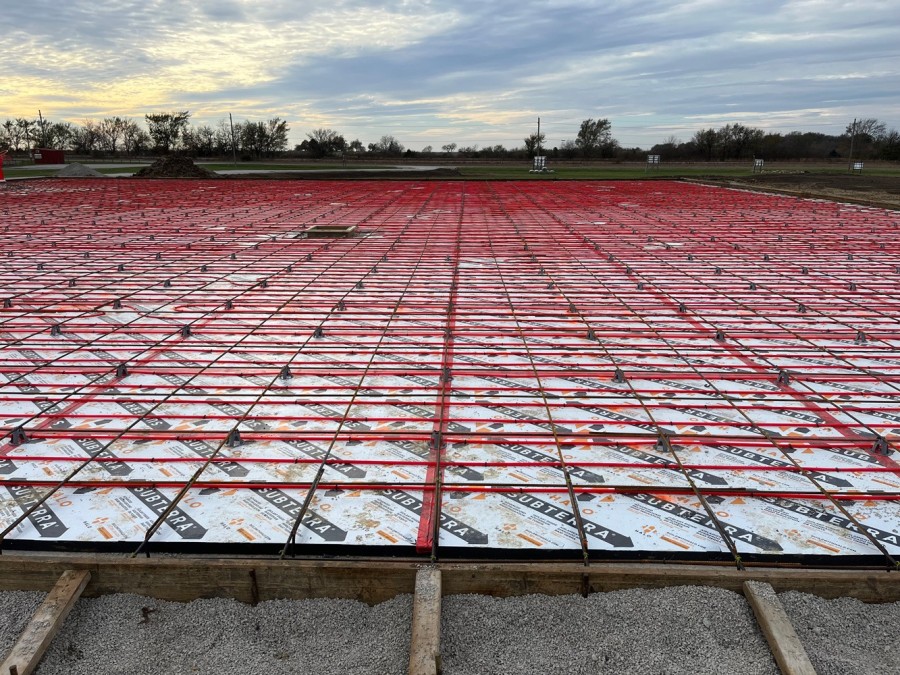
[491, 372]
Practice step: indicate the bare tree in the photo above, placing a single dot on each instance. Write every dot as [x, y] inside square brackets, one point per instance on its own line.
[870, 129]
[111, 130]
[166, 129]
[449, 147]
[533, 142]
[324, 142]
[594, 136]
[387, 145]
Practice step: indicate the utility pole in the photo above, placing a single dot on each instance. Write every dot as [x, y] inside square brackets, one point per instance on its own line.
[233, 146]
[43, 135]
[852, 139]
[539, 138]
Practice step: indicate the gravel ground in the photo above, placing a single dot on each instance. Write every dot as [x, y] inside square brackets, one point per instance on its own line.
[673, 630]
[666, 631]
[16, 610]
[845, 635]
[134, 635]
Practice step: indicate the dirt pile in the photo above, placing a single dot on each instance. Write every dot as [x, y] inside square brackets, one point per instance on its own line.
[173, 166]
[76, 170]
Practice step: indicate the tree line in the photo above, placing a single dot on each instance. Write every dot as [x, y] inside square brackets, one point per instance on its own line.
[164, 133]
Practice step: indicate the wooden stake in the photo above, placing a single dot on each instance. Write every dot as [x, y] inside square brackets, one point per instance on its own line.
[786, 647]
[425, 644]
[46, 622]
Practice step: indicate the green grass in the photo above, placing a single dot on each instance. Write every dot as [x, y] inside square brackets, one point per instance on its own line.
[519, 170]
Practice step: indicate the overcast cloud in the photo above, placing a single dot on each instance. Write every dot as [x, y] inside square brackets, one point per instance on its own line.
[465, 71]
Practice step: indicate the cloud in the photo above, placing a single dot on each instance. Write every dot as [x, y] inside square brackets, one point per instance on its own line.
[464, 71]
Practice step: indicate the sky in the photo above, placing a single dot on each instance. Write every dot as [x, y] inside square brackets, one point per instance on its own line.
[470, 72]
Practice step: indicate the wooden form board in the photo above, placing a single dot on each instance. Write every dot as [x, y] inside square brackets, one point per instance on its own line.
[250, 580]
[26, 654]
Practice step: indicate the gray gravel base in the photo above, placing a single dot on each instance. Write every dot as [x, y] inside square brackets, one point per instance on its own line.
[16, 610]
[845, 635]
[118, 634]
[673, 630]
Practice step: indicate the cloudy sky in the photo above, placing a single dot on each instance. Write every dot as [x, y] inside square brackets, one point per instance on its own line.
[464, 71]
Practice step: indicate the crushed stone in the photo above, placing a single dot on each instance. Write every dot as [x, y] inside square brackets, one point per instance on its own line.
[16, 610]
[76, 170]
[132, 634]
[174, 166]
[845, 635]
[662, 631]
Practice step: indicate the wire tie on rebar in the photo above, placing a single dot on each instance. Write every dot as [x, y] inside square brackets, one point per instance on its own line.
[117, 304]
[87, 254]
[682, 307]
[229, 304]
[784, 377]
[851, 286]
[860, 338]
[71, 283]
[185, 331]
[159, 256]
[640, 285]
[572, 308]
[122, 370]
[690, 256]
[56, 329]
[264, 283]
[804, 270]
[359, 284]
[234, 256]
[591, 335]
[718, 270]
[318, 332]
[375, 269]
[619, 376]
[849, 256]
[308, 257]
[801, 308]
[286, 373]
[289, 269]
[437, 440]
[752, 286]
[881, 446]
[542, 271]
[234, 438]
[766, 257]
[446, 376]
[341, 306]
[121, 267]
[167, 283]
[720, 335]
[550, 285]
[7, 302]
[627, 270]
[40, 266]
[203, 268]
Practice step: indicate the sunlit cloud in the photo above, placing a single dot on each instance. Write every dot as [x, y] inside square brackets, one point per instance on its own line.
[466, 71]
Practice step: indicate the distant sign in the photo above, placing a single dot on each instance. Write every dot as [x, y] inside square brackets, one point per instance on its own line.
[858, 167]
[652, 159]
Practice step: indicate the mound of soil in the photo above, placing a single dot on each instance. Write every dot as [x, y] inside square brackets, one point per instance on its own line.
[173, 166]
[871, 189]
[76, 170]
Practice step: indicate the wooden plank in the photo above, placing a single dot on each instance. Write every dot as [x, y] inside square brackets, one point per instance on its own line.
[425, 643]
[46, 622]
[375, 580]
[786, 647]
